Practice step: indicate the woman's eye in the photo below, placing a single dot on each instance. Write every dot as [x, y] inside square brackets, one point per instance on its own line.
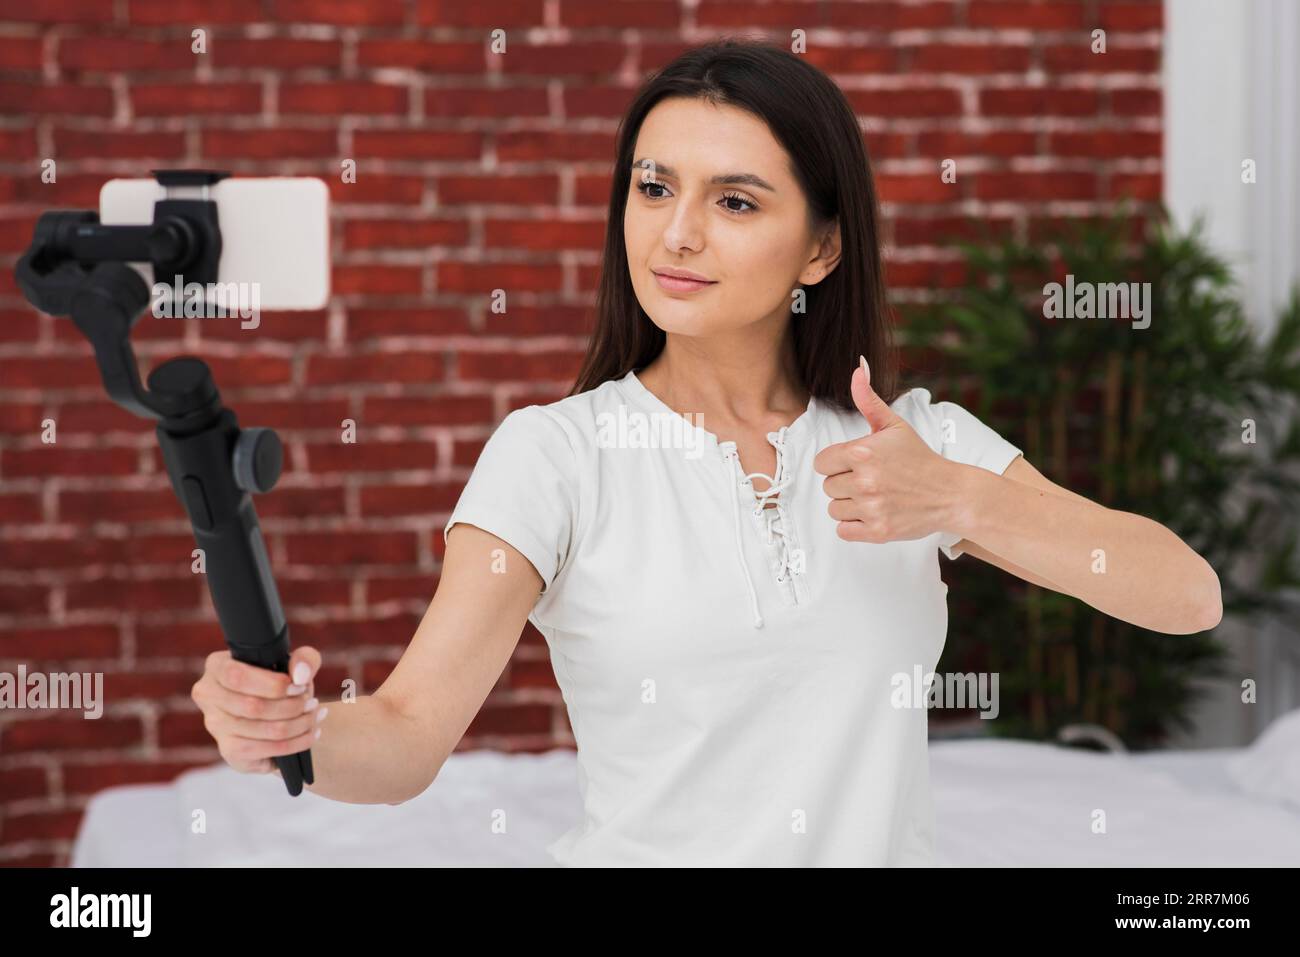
[748, 206]
[644, 187]
[647, 184]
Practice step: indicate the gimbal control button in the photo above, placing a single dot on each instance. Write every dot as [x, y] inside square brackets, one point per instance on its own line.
[197, 503]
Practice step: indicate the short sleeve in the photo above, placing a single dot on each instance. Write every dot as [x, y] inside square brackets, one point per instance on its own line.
[958, 435]
[524, 490]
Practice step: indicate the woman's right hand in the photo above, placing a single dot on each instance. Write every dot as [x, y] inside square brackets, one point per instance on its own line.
[255, 714]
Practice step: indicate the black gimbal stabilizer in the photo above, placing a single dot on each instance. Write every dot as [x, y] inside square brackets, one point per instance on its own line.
[77, 266]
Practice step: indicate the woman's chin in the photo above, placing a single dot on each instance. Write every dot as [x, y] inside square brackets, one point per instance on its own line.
[682, 325]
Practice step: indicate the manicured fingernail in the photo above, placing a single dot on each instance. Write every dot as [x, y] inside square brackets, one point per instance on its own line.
[866, 369]
[318, 731]
[301, 673]
[311, 703]
[320, 715]
[295, 689]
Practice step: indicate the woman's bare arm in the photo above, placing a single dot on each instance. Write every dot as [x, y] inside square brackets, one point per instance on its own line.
[387, 747]
[1042, 532]
[1021, 471]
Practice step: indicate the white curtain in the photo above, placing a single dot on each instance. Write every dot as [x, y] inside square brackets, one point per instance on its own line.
[1232, 93]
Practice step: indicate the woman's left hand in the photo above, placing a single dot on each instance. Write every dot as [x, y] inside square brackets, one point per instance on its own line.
[889, 485]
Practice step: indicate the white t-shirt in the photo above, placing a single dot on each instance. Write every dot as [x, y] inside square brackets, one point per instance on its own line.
[732, 700]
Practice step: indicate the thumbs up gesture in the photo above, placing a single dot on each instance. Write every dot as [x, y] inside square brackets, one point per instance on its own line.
[889, 485]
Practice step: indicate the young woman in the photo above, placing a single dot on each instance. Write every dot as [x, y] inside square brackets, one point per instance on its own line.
[730, 604]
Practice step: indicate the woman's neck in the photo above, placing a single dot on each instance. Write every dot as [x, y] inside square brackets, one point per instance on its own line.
[749, 384]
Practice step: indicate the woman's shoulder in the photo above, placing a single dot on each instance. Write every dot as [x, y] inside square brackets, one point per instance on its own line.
[954, 431]
[915, 405]
[573, 420]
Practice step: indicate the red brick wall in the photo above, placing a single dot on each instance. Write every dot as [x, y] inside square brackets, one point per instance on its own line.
[475, 172]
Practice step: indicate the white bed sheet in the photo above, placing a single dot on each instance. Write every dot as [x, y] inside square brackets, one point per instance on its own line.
[1021, 803]
[997, 803]
[486, 808]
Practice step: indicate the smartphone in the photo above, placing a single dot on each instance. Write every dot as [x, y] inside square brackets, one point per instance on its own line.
[274, 232]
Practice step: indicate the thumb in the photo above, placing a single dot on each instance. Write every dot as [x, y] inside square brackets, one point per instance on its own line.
[872, 406]
[303, 665]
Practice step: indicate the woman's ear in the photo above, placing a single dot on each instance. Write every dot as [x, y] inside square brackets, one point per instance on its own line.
[826, 258]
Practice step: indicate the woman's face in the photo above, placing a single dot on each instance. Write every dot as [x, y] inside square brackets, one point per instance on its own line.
[752, 238]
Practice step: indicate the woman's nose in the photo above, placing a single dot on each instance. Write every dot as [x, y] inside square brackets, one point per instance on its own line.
[684, 228]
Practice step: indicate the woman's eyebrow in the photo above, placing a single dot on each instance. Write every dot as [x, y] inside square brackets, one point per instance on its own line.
[725, 179]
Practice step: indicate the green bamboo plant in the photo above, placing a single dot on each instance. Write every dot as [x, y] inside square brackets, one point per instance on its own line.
[1190, 421]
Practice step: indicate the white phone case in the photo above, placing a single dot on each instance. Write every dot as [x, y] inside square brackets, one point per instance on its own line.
[274, 232]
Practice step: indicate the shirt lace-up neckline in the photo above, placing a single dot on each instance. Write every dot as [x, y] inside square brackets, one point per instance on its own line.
[769, 511]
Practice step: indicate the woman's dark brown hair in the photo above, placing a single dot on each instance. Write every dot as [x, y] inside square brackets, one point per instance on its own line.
[847, 313]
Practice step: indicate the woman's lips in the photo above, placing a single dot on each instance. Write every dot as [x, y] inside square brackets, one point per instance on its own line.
[674, 284]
